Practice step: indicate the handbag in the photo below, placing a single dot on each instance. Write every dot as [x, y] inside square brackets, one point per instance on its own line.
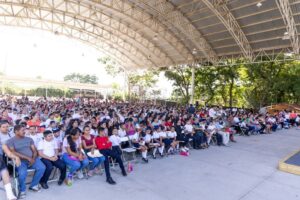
[96, 154]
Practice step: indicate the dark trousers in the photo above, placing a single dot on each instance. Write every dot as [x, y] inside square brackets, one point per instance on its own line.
[49, 167]
[113, 154]
[197, 140]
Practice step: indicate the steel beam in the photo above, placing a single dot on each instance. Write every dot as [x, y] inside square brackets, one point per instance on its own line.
[287, 16]
[219, 8]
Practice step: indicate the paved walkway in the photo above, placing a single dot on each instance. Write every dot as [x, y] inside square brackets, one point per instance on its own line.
[245, 171]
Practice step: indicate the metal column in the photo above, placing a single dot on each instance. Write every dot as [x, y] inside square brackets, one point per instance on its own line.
[192, 85]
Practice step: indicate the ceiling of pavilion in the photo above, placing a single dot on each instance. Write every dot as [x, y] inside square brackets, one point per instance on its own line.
[159, 33]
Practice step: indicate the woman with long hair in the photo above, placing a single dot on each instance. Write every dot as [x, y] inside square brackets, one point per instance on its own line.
[72, 154]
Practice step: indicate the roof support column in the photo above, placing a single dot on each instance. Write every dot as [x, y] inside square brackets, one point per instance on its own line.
[192, 85]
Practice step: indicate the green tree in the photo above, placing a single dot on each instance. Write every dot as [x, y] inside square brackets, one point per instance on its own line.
[81, 78]
[181, 78]
[111, 67]
[144, 81]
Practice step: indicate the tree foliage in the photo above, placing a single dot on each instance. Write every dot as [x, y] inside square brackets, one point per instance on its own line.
[181, 78]
[251, 85]
[111, 67]
[81, 78]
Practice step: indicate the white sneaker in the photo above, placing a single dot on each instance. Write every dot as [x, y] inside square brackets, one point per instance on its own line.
[187, 149]
[11, 197]
[80, 174]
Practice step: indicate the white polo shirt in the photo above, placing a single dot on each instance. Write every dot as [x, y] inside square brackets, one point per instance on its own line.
[172, 134]
[48, 148]
[115, 140]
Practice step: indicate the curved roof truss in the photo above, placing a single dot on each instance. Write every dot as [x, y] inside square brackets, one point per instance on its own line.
[159, 33]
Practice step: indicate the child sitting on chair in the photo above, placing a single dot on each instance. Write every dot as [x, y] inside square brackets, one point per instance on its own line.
[48, 151]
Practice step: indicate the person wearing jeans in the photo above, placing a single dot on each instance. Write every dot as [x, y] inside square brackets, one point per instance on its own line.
[48, 151]
[72, 154]
[88, 143]
[24, 148]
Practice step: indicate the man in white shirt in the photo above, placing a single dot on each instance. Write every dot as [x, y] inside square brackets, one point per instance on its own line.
[48, 151]
[212, 113]
[4, 132]
[220, 130]
[13, 115]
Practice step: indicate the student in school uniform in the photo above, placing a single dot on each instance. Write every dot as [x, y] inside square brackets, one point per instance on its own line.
[32, 133]
[122, 130]
[163, 135]
[48, 151]
[158, 140]
[115, 139]
[149, 141]
[58, 139]
[139, 143]
[172, 137]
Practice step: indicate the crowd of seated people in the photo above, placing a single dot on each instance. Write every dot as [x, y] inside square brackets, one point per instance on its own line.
[77, 135]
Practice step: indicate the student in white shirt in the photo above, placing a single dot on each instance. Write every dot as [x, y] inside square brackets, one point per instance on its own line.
[32, 133]
[58, 138]
[188, 127]
[115, 141]
[172, 137]
[122, 131]
[158, 140]
[140, 144]
[165, 139]
[220, 130]
[48, 151]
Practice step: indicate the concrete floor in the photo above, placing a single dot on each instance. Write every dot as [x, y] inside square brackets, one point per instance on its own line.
[246, 170]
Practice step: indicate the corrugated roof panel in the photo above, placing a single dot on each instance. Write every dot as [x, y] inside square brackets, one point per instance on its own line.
[207, 22]
[259, 17]
[266, 35]
[227, 50]
[270, 43]
[263, 26]
[212, 29]
[228, 41]
[223, 34]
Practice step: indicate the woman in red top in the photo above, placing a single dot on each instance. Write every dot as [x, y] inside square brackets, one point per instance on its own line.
[88, 143]
[104, 146]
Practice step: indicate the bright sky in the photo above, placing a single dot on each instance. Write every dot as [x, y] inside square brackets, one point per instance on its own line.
[30, 53]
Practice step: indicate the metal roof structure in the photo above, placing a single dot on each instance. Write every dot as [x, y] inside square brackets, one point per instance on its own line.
[160, 33]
